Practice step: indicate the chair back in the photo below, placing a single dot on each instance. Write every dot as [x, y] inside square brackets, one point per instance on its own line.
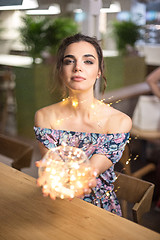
[140, 173]
[134, 190]
[124, 161]
[19, 151]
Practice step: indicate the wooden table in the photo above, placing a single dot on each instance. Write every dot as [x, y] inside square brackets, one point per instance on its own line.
[26, 214]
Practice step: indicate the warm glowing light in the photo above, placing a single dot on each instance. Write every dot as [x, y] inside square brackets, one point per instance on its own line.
[136, 157]
[92, 106]
[66, 171]
[74, 103]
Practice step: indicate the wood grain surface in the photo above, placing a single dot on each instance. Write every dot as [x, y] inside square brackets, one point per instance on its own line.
[26, 215]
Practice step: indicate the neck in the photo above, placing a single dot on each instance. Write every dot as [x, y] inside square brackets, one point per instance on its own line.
[81, 102]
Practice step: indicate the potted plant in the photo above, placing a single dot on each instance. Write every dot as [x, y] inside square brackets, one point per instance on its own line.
[57, 30]
[33, 35]
[126, 33]
[128, 67]
[43, 35]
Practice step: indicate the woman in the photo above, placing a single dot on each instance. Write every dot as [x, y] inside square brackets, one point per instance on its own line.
[83, 121]
[153, 79]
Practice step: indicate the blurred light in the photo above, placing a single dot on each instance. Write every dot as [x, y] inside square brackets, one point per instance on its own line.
[79, 15]
[53, 9]
[78, 10]
[151, 15]
[124, 16]
[114, 7]
[26, 4]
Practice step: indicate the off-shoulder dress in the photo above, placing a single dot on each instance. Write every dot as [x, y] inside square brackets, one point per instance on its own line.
[110, 145]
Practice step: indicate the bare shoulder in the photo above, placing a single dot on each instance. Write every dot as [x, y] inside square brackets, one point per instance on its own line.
[118, 122]
[45, 116]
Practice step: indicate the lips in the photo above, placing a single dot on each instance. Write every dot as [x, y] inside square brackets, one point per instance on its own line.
[78, 78]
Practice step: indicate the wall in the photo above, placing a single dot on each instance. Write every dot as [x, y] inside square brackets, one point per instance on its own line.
[109, 41]
[10, 21]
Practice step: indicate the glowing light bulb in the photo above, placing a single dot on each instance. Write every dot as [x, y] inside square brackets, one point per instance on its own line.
[74, 103]
[58, 122]
[92, 106]
[66, 171]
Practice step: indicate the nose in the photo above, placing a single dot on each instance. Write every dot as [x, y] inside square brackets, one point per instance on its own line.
[77, 67]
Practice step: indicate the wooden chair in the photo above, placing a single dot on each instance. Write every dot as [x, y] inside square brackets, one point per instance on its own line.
[136, 191]
[20, 152]
[127, 169]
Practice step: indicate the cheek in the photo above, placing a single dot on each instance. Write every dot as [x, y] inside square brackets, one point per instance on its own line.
[94, 73]
[65, 71]
[62, 75]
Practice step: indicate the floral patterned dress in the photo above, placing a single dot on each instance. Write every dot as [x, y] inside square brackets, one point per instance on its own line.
[110, 145]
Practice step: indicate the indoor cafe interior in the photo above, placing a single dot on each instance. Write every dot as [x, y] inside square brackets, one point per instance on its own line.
[128, 32]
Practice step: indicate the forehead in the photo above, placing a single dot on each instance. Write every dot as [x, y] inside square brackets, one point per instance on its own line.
[81, 48]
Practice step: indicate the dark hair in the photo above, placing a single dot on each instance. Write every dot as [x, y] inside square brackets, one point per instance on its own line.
[78, 38]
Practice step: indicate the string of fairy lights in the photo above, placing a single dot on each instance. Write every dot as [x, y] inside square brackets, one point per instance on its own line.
[79, 177]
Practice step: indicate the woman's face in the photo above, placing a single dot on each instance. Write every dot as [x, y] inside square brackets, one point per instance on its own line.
[80, 66]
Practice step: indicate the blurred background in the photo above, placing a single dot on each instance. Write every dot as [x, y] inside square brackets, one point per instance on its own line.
[129, 33]
[30, 32]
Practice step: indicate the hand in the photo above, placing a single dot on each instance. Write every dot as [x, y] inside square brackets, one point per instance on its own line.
[85, 186]
[42, 181]
[90, 184]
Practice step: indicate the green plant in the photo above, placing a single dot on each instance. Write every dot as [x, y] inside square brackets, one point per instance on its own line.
[44, 34]
[57, 30]
[126, 33]
[33, 35]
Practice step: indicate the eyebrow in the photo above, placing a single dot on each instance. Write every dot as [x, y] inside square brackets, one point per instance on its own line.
[71, 56]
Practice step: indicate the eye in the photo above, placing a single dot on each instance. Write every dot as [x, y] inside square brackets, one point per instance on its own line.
[68, 61]
[88, 62]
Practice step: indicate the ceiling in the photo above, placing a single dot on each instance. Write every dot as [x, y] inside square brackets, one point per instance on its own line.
[63, 3]
[43, 3]
[72, 4]
[46, 3]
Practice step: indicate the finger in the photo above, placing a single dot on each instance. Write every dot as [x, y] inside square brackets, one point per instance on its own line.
[79, 193]
[41, 180]
[38, 163]
[53, 195]
[92, 183]
[95, 172]
[45, 190]
[87, 191]
[70, 199]
[45, 194]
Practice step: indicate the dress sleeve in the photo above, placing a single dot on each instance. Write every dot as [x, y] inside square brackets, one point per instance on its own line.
[46, 136]
[112, 146]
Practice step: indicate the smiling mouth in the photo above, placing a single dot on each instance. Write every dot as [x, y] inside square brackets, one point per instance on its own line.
[78, 78]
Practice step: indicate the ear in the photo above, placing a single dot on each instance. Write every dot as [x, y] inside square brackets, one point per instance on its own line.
[99, 74]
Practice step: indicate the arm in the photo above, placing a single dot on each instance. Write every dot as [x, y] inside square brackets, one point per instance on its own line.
[153, 80]
[100, 162]
[121, 123]
[39, 122]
